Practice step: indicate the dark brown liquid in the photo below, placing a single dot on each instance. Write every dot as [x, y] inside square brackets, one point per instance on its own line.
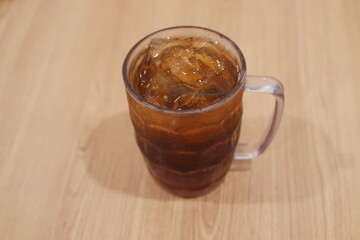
[188, 155]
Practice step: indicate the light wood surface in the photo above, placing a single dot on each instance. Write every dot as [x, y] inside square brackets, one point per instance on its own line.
[69, 164]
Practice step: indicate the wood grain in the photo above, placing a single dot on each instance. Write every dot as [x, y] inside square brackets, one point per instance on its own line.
[69, 164]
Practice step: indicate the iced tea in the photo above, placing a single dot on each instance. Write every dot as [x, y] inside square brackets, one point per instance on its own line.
[188, 153]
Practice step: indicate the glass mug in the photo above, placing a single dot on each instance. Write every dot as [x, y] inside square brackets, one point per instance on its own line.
[188, 152]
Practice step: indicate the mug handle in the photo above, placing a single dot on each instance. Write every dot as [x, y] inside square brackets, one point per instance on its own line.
[270, 85]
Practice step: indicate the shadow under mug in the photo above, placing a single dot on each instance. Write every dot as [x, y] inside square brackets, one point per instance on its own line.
[188, 152]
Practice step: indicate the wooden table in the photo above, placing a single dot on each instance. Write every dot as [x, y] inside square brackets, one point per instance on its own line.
[69, 164]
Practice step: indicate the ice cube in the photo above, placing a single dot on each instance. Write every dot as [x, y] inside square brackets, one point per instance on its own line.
[164, 91]
[213, 92]
[182, 63]
[145, 73]
[156, 46]
[212, 59]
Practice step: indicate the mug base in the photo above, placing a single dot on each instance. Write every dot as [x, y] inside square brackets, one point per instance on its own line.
[190, 193]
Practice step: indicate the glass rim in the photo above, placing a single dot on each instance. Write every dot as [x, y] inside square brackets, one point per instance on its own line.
[192, 111]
